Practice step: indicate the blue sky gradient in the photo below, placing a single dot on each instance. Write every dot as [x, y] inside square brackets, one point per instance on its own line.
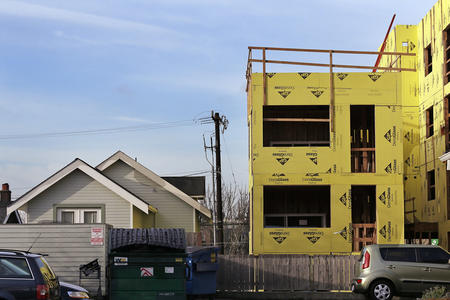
[85, 64]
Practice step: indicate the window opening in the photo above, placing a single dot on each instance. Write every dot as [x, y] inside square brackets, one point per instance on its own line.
[431, 185]
[430, 121]
[296, 206]
[362, 130]
[296, 126]
[447, 123]
[363, 203]
[446, 42]
[428, 60]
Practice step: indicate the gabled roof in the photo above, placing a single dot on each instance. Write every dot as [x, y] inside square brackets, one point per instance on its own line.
[119, 155]
[444, 157]
[78, 164]
[14, 213]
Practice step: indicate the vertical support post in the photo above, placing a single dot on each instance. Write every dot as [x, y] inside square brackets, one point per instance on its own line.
[331, 94]
[264, 76]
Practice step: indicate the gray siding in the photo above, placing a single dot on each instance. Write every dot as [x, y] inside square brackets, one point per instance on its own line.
[172, 211]
[67, 246]
[79, 188]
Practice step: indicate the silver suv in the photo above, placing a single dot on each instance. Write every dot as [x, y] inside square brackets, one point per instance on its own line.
[388, 270]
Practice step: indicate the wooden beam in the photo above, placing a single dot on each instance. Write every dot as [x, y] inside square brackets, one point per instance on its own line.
[296, 120]
[327, 65]
[334, 51]
[362, 149]
[331, 94]
[264, 77]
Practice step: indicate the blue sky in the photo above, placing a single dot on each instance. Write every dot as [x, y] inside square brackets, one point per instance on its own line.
[86, 64]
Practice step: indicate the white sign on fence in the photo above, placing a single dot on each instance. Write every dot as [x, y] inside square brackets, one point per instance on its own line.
[97, 236]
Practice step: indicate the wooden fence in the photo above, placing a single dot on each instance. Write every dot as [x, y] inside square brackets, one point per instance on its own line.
[285, 272]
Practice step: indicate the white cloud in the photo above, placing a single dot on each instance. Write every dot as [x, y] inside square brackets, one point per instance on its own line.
[26, 10]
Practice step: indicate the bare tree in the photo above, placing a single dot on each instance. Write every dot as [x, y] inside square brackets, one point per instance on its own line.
[235, 200]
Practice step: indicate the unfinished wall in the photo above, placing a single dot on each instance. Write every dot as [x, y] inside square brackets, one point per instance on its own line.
[331, 164]
[425, 138]
[432, 91]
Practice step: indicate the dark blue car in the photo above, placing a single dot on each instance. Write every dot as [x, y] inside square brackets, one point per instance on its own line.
[28, 276]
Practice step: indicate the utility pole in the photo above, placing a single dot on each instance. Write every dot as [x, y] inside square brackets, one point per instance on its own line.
[214, 193]
[217, 122]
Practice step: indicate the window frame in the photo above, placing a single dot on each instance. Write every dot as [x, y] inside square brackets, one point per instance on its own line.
[79, 211]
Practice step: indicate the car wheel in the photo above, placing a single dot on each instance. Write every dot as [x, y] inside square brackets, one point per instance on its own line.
[381, 290]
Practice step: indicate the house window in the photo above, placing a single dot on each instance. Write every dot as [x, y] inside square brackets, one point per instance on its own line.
[428, 59]
[296, 206]
[79, 215]
[429, 117]
[431, 185]
[296, 126]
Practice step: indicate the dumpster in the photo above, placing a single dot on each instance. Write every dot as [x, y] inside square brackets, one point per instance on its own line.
[147, 264]
[201, 268]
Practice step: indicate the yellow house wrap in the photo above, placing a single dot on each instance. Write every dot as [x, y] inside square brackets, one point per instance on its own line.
[374, 170]
[328, 165]
[426, 125]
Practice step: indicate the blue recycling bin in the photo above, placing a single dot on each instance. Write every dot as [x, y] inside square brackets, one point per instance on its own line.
[201, 269]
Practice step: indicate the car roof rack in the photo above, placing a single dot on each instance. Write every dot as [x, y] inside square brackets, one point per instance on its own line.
[19, 252]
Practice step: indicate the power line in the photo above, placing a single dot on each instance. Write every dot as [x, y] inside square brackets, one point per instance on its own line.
[100, 131]
[189, 173]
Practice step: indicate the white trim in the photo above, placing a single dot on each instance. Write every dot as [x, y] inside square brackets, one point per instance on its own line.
[119, 155]
[444, 157]
[91, 172]
[131, 216]
[193, 228]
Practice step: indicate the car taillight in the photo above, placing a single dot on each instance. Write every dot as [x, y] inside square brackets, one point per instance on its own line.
[366, 263]
[42, 292]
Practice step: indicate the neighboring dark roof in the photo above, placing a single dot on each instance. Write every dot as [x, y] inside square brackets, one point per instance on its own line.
[14, 218]
[192, 186]
[167, 237]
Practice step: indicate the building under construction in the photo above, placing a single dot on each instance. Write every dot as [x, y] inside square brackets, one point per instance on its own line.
[339, 160]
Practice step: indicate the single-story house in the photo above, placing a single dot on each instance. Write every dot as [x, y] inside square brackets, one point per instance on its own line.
[119, 191]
